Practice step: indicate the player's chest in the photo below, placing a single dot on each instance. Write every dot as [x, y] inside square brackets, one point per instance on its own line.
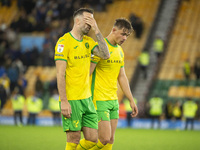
[115, 60]
[79, 52]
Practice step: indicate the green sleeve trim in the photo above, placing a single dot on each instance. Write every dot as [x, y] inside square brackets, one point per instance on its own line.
[93, 82]
[60, 59]
[121, 66]
[94, 62]
[93, 48]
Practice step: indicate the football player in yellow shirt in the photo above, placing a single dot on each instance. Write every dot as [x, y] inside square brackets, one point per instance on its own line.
[105, 74]
[72, 56]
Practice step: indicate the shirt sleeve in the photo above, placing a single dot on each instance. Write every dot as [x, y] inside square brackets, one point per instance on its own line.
[92, 44]
[61, 50]
[95, 59]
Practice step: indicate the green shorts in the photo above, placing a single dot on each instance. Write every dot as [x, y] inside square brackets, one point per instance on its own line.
[83, 115]
[107, 110]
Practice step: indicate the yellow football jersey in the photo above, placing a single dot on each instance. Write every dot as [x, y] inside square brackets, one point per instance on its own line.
[77, 54]
[104, 77]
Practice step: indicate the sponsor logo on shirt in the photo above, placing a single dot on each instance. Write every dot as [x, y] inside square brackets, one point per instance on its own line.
[82, 56]
[114, 61]
[59, 55]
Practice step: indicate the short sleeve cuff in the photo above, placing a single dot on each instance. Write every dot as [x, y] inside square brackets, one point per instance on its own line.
[93, 48]
[94, 62]
[60, 59]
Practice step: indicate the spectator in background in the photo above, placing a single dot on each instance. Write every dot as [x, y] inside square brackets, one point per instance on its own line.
[54, 107]
[177, 111]
[189, 112]
[2, 71]
[137, 25]
[34, 56]
[3, 96]
[21, 83]
[2, 51]
[19, 66]
[128, 110]
[158, 46]
[53, 85]
[47, 55]
[198, 110]
[156, 110]
[169, 110]
[18, 102]
[26, 57]
[13, 75]
[39, 86]
[187, 69]
[34, 106]
[144, 62]
[197, 68]
[5, 82]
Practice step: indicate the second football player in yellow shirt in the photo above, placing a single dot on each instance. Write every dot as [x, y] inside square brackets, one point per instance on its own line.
[105, 74]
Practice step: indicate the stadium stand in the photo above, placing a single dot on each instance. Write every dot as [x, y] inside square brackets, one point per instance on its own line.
[8, 13]
[184, 42]
[171, 83]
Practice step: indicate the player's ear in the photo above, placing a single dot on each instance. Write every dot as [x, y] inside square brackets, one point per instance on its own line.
[114, 29]
[77, 20]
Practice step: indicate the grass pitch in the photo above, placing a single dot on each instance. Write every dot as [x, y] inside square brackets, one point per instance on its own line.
[53, 138]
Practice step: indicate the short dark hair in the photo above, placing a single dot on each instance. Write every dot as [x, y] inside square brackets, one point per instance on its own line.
[81, 10]
[123, 23]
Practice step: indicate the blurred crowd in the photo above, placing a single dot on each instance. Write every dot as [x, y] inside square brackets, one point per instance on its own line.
[52, 19]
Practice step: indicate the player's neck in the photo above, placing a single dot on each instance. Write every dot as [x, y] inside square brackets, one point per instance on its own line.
[77, 35]
[111, 40]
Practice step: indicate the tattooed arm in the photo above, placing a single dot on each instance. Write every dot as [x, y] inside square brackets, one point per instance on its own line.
[102, 49]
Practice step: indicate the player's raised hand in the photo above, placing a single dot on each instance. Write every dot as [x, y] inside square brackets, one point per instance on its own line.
[89, 19]
[66, 109]
[134, 109]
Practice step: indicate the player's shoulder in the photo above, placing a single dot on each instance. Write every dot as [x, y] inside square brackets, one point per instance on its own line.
[87, 38]
[63, 39]
[120, 48]
[121, 51]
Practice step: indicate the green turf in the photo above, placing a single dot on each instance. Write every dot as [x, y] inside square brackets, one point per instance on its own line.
[52, 138]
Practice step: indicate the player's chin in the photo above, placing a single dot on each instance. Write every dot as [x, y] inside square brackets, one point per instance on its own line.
[121, 42]
[86, 32]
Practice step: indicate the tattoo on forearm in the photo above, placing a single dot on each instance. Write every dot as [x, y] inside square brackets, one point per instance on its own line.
[102, 51]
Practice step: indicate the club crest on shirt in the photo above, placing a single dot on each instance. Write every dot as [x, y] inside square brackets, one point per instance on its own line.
[87, 45]
[60, 48]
